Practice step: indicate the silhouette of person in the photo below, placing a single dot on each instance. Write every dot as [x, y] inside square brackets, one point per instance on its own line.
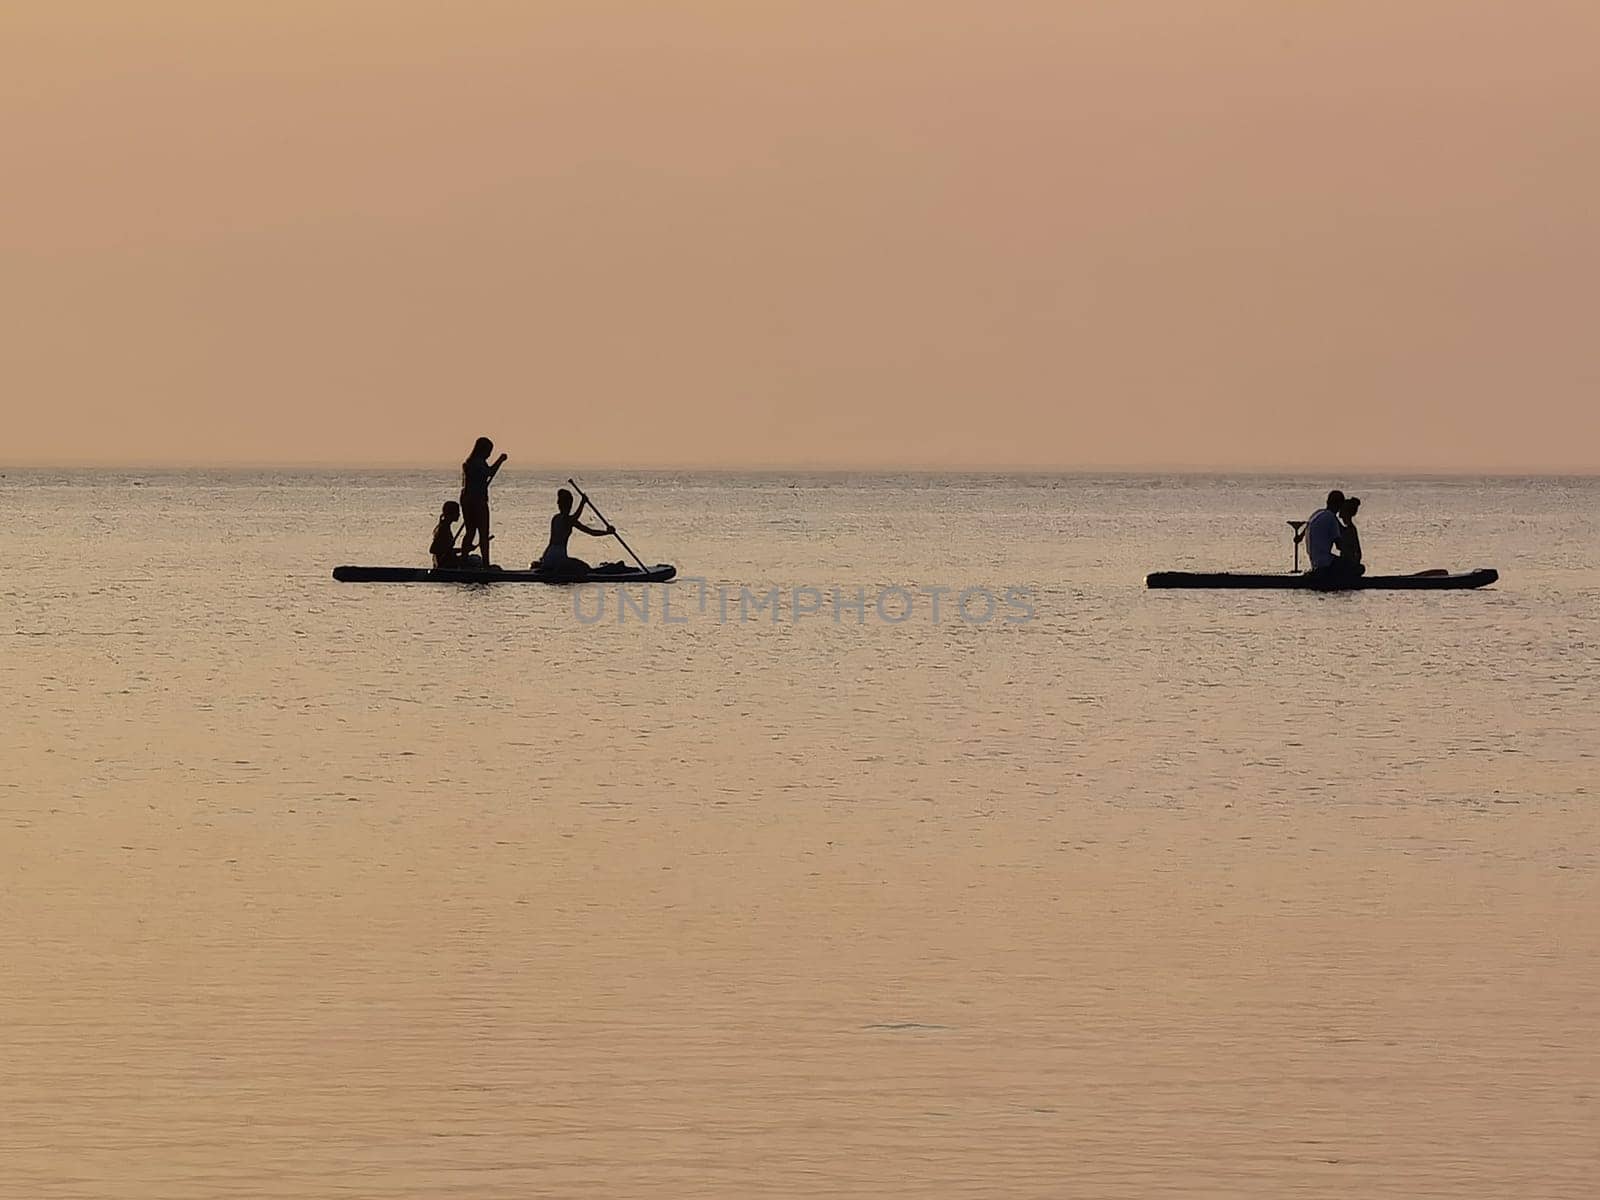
[1321, 533]
[1349, 562]
[555, 560]
[476, 474]
[443, 546]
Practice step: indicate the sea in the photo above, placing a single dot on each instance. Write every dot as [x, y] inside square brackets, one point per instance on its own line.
[905, 846]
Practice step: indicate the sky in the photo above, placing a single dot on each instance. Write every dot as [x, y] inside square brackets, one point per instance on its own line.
[759, 233]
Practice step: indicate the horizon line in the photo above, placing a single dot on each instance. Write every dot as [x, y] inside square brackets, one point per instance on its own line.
[812, 468]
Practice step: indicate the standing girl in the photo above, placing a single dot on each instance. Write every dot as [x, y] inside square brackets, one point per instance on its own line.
[476, 473]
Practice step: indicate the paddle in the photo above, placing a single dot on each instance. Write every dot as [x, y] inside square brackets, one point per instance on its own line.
[1297, 526]
[583, 497]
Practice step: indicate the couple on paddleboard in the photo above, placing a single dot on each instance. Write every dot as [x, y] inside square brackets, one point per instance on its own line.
[1332, 541]
[477, 472]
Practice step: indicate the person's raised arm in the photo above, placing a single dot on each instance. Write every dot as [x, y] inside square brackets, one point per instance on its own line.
[494, 467]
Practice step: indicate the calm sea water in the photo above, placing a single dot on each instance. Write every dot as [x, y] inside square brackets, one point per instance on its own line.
[320, 890]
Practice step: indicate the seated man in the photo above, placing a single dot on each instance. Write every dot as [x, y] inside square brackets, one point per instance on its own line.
[1321, 534]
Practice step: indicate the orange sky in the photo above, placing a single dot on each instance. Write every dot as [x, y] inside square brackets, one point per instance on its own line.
[1047, 233]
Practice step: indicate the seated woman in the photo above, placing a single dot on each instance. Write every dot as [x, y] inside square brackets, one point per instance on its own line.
[443, 547]
[555, 560]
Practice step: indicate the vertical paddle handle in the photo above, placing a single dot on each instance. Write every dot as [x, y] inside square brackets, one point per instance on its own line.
[1297, 526]
[585, 498]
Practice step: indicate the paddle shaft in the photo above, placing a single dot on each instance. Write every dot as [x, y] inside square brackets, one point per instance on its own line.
[584, 496]
[1295, 527]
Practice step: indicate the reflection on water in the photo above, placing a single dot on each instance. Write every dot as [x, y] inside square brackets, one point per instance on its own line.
[317, 889]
